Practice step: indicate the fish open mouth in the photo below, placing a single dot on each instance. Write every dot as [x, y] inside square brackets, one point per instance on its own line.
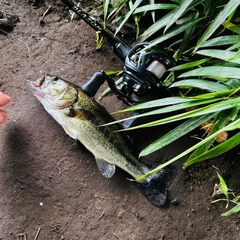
[35, 89]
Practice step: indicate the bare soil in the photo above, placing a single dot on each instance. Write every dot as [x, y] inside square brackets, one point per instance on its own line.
[50, 185]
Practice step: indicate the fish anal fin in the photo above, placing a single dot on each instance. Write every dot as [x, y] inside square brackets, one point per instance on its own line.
[155, 187]
[105, 168]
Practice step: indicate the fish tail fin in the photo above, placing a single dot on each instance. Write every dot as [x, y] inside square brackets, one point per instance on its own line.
[155, 187]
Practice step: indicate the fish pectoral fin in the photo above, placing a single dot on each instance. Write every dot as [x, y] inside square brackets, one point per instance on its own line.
[71, 132]
[105, 168]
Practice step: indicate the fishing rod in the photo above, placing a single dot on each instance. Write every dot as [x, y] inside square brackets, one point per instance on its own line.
[144, 69]
[121, 49]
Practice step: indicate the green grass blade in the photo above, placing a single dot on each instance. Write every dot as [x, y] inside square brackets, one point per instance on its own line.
[152, 12]
[224, 188]
[117, 9]
[221, 54]
[136, 4]
[230, 16]
[181, 106]
[136, 18]
[214, 71]
[221, 41]
[235, 209]
[233, 27]
[233, 83]
[216, 151]
[176, 133]
[105, 12]
[201, 84]
[220, 94]
[215, 107]
[154, 7]
[235, 46]
[222, 120]
[157, 103]
[208, 7]
[186, 39]
[178, 13]
[223, 14]
[189, 65]
[175, 31]
[203, 148]
[154, 28]
[161, 23]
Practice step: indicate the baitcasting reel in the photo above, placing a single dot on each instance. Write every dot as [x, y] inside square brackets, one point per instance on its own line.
[145, 67]
[143, 73]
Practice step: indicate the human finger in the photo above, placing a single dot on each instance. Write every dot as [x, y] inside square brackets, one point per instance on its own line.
[3, 116]
[4, 99]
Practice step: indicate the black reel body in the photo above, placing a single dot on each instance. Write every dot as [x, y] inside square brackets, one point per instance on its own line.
[145, 69]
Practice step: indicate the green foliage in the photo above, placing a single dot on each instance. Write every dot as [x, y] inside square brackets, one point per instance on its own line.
[218, 20]
[222, 189]
[234, 210]
[203, 37]
[99, 41]
[232, 126]
[105, 12]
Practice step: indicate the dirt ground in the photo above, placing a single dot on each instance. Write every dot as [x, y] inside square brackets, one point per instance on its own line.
[50, 185]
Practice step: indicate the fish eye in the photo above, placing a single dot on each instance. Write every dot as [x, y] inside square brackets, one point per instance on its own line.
[54, 78]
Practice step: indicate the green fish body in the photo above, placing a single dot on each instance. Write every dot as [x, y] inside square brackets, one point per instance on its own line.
[81, 117]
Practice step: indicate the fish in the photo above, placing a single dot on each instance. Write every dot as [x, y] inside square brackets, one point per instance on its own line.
[82, 118]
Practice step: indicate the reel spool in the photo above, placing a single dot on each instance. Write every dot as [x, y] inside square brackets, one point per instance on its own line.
[144, 71]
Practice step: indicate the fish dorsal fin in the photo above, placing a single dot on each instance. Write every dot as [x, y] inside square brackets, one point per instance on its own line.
[71, 132]
[105, 168]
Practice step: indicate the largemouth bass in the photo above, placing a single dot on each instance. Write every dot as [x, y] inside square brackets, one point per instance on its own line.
[80, 117]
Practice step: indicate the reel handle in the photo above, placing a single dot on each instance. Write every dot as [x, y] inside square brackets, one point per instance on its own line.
[91, 86]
